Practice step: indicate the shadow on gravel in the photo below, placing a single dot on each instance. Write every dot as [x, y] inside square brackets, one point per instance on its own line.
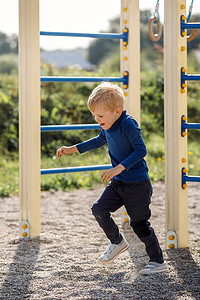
[181, 280]
[184, 281]
[19, 276]
[187, 271]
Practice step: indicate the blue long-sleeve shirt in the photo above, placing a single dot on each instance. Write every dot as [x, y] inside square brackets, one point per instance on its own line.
[125, 147]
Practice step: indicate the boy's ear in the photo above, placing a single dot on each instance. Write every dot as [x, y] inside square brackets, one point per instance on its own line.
[118, 110]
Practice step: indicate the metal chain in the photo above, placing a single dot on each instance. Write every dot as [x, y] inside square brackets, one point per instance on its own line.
[190, 11]
[156, 13]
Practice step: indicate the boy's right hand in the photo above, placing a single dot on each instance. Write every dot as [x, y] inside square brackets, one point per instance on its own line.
[66, 150]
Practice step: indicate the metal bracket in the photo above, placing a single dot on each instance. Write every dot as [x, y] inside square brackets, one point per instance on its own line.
[183, 123]
[24, 229]
[183, 25]
[183, 78]
[184, 178]
[125, 216]
[125, 79]
[125, 35]
[171, 240]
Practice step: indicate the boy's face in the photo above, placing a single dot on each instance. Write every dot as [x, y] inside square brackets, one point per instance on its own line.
[105, 117]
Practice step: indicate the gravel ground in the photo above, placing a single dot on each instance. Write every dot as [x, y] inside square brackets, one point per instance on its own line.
[62, 264]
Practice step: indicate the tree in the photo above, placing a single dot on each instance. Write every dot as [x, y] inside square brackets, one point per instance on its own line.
[8, 44]
[13, 41]
[8, 63]
[101, 48]
[4, 44]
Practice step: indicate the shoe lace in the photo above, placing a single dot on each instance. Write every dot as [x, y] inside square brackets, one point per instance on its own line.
[110, 248]
[150, 265]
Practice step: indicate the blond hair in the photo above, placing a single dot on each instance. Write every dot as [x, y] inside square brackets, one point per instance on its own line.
[108, 94]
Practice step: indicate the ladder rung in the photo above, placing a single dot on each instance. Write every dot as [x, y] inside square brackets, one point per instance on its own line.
[81, 79]
[75, 169]
[49, 128]
[90, 35]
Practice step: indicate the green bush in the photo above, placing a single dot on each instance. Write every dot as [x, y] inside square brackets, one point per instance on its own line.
[152, 103]
[66, 103]
[8, 64]
[8, 114]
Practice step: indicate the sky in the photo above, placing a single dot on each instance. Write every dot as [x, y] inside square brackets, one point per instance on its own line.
[71, 16]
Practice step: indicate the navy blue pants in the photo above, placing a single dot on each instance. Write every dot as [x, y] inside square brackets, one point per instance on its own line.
[136, 197]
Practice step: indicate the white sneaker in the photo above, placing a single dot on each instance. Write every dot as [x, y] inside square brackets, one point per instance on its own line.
[153, 268]
[112, 251]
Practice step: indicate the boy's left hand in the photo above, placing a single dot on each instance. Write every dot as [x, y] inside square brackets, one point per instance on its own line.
[109, 174]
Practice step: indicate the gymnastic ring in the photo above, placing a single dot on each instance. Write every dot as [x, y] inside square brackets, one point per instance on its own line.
[155, 37]
[192, 36]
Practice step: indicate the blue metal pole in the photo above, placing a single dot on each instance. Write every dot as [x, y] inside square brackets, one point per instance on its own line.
[185, 25]
[185, 125]
[190, 25]
[82, 79]
[48, 128]
[75, 169]
[186, 178]
[191, 178]
[191, 125]
[188, 77]
[89, 35]
[191, 77]
[123, 36]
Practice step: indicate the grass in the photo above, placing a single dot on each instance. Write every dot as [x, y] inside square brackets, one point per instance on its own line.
[9, 176]
[9, 168]
[74, 180]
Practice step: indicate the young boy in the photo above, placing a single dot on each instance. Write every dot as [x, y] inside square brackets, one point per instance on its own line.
[129, 182]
